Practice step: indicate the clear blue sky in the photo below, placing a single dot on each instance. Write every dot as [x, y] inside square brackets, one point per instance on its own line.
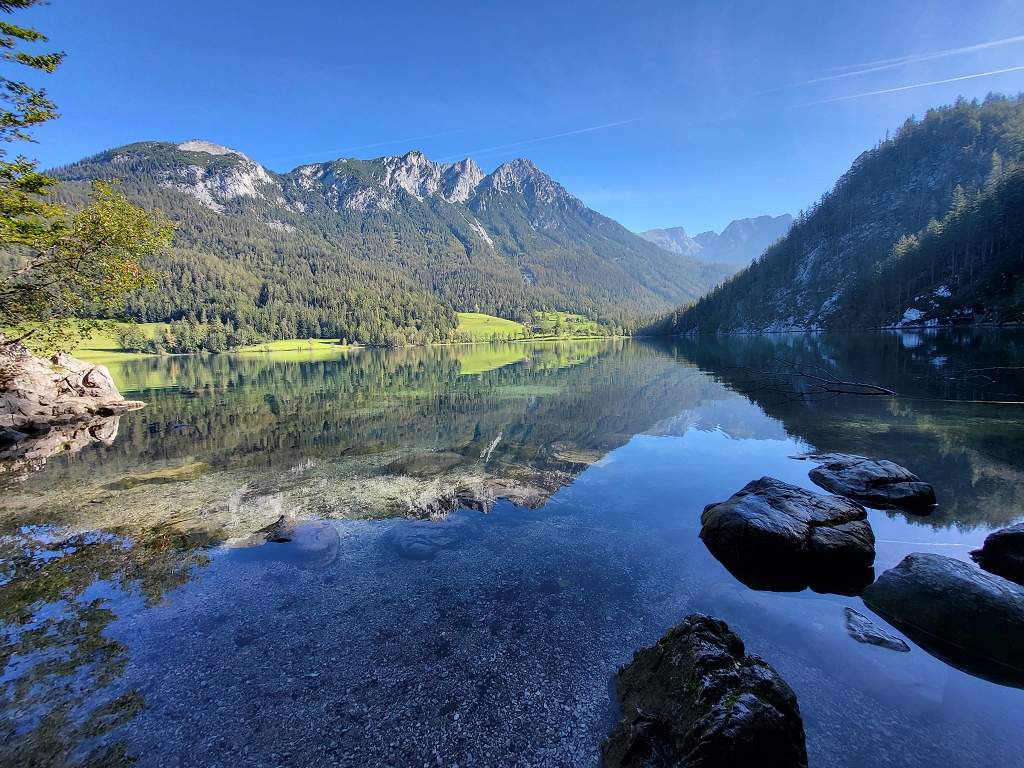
[710, 110]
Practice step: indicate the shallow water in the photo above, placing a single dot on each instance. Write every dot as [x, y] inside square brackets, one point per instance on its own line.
[413, 631]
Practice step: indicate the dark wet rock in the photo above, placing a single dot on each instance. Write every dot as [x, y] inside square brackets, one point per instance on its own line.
[863, 630]
[695, 699]
[281, 531]
[773, 535]
[10, 437]
[1003, 553]
[970, 619]
[877, 483]
[423, 539]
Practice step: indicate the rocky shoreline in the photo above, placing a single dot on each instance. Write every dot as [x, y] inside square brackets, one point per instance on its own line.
[50, 405]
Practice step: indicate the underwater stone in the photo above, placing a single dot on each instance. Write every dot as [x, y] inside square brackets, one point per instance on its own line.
[863, 630]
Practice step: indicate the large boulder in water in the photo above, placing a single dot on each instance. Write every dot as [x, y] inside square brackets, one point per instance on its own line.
[968, 618]
[696, 699]
[876, 483]
[1003, 553]
[773, 535]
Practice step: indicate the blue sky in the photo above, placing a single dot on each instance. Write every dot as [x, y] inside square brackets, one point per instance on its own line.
[655, 113]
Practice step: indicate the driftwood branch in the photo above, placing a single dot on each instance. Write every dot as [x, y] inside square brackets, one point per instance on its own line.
[799, 381]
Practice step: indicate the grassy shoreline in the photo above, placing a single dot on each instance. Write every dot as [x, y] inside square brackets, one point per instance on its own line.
[104, 349]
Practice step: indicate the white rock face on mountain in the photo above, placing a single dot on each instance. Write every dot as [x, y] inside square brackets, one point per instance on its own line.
[211, 186]
[673, 239]
[413, 173]
[519, 174]
[420, 177]
[198, 145]
[461, 180]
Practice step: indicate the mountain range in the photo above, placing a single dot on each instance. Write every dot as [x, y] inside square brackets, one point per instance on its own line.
[925, 229]
[380, 251]
[742, 241]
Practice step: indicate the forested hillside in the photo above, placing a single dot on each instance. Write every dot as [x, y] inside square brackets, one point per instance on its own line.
[381, 251]
[927, 227]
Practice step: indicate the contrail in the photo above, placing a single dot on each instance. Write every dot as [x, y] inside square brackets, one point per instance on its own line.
[908, 87]
[363, 146]
[884, 64]
[478, 152]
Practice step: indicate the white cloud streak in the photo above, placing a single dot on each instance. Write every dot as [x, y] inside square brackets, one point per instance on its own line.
[338, 152]
[478, 152]
[909, 87]
[886, 64]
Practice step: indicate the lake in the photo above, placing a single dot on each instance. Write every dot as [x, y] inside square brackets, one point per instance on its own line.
[504, 526]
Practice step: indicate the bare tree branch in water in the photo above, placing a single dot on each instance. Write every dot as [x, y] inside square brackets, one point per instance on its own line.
[799, 381]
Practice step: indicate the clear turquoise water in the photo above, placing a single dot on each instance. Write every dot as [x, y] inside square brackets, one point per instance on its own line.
[132, 632]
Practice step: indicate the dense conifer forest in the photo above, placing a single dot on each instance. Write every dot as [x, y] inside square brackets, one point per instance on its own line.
[926, 228]
[379, 252]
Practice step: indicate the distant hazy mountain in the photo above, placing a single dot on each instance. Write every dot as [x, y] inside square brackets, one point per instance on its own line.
[378, 249]
[925, 229]
[740, 243]
[673, 239]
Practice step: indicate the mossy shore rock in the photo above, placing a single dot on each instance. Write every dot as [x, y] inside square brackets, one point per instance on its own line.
[696, 699]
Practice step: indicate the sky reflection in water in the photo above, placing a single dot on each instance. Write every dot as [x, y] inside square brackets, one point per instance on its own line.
[369, 645]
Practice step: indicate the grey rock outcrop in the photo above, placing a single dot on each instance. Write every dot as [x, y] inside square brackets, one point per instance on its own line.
[1003, 553]
[696, 699]
[38, 392]
[773, 535]
[971, 619]
[53, 405]
[877, 483]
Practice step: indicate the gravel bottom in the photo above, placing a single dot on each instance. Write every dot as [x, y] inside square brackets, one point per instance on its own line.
[498, 651]
[492, 640]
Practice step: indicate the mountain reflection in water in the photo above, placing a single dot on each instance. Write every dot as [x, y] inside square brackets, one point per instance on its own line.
[118, 594]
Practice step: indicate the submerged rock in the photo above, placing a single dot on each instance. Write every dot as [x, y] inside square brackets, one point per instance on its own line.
[423, 539]
[878, 483]
[970, 619]
[1003, 553]
[863, 630]
[696, 699]
[773, 535]
[310, 544]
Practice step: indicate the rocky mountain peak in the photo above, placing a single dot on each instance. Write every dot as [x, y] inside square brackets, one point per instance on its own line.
[461, 180]
[198, 145]
[672, 239]
[520, 174]
[212, 185]
[412, 172]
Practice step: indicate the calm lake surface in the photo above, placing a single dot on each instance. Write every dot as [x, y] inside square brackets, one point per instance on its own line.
[505, 525]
